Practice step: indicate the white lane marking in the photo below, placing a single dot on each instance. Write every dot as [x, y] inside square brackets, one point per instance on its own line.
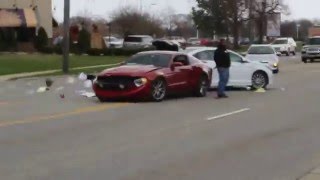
[228, 114]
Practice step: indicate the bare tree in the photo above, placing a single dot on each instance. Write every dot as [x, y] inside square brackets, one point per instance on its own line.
[262, 10]
[130, 21]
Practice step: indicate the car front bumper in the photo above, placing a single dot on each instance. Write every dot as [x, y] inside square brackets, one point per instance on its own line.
[138, 93]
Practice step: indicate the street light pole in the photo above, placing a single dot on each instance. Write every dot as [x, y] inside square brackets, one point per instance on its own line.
[298, 26]
[66, 37]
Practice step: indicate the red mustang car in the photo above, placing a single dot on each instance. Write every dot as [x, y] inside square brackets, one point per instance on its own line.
[153, 75]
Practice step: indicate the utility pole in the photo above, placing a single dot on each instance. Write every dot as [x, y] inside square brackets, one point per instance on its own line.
[66, 37]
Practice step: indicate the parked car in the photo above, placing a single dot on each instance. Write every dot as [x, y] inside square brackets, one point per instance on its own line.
[179, 39]
[285, 46]
[137, 41]
[243, 72]
[153, 75]
[193, 41]
[113, 42]
[264, 54]
[311, 49]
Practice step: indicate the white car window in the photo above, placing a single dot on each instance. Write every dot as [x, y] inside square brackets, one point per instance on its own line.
[205, 55]
[235, 58]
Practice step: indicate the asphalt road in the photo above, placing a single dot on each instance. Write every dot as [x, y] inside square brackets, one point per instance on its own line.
[250, 136]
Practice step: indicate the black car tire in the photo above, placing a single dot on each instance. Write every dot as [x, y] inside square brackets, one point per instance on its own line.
[288, 53]
[158, 90]
[311, 60]
[257, 77]
[202, 87]
[305, 60]
[101, 99]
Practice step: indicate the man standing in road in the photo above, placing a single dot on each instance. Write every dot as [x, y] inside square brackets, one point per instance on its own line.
[223, 62]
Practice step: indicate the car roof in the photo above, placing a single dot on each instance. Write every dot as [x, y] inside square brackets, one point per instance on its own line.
[261, 45]
[162, 52]
[139, 36]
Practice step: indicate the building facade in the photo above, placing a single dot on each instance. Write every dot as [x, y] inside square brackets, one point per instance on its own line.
[32, 14]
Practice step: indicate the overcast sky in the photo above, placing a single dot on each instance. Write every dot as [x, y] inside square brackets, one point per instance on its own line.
[104, 8]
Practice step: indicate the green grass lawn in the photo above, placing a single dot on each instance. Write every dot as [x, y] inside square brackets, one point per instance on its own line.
[13, 63]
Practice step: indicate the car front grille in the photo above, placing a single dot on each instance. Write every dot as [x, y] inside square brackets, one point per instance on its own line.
[116, 83]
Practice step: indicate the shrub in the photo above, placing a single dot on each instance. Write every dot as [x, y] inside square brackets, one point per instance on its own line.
[46, 50]
[84, 41]
[41, 40]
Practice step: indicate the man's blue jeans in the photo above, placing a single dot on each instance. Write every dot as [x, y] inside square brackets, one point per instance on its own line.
[223, 80]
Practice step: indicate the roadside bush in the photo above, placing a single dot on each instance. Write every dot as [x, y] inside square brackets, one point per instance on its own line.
[41, 40]
[95, 52]
[83, 41]
[46, 50]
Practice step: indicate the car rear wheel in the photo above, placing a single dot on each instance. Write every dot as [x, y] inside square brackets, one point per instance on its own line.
[288, 53]
[202, 88]
[305, 60]
[158, 90]
[101, 99]
[259, 80]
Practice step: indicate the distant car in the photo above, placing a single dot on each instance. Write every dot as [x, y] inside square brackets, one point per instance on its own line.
[153, 75]
[137, 41]
[264, 54]
[193, 41]
[285, 46]
[113, 42]
[179, 39]
[311, 49]
[243, 72]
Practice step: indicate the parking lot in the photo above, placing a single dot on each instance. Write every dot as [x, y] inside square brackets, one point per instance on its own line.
[59, 134]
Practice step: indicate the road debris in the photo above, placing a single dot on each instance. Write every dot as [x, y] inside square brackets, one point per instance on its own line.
[49, 82]
[260, 90]
[42, 89]
[87, 84]
[71, 80]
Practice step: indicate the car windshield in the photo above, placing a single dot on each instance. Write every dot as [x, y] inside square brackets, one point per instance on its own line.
[314, 41]
[133, 39]
[261, 50]
[158, 60]
[280, 41]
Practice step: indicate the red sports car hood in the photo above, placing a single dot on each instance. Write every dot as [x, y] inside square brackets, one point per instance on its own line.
[132, 70]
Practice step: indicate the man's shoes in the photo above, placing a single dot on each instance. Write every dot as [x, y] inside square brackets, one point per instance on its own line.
[222, 96]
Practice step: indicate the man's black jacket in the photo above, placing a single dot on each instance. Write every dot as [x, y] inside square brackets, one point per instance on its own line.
[222, 57]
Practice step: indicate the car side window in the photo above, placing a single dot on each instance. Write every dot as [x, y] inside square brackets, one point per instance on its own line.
[235, 58]
[182, 59]
[205, 55]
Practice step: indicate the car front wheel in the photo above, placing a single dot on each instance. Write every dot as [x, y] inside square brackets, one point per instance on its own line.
[259, 80]
[158, 90]
[202, 88]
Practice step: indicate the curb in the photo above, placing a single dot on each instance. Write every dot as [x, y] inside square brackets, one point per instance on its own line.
[313, 175]
[31, 74]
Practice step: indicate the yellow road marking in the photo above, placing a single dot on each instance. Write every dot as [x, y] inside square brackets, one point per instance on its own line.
[90, 109]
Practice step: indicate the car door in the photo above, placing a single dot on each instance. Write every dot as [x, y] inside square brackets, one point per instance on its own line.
[207, 56]
[181, 74]
[240, 71]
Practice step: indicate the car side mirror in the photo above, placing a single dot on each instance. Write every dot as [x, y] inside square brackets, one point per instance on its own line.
[176, 64]
[244, 61]
[278, 53]
[243, 53]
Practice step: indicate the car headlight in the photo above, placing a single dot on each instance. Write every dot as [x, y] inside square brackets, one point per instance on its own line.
[140, 82]
[275, 64]
[304, 49]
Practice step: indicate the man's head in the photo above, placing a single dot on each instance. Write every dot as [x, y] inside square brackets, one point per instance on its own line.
[222, 42]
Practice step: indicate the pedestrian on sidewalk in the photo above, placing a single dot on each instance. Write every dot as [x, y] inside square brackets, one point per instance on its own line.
[223, 62]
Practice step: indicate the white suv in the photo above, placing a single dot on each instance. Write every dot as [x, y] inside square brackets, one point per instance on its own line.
[285, 46]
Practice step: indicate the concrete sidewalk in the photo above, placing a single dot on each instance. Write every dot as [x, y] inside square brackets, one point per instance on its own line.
[31, 74]
[313, 175]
